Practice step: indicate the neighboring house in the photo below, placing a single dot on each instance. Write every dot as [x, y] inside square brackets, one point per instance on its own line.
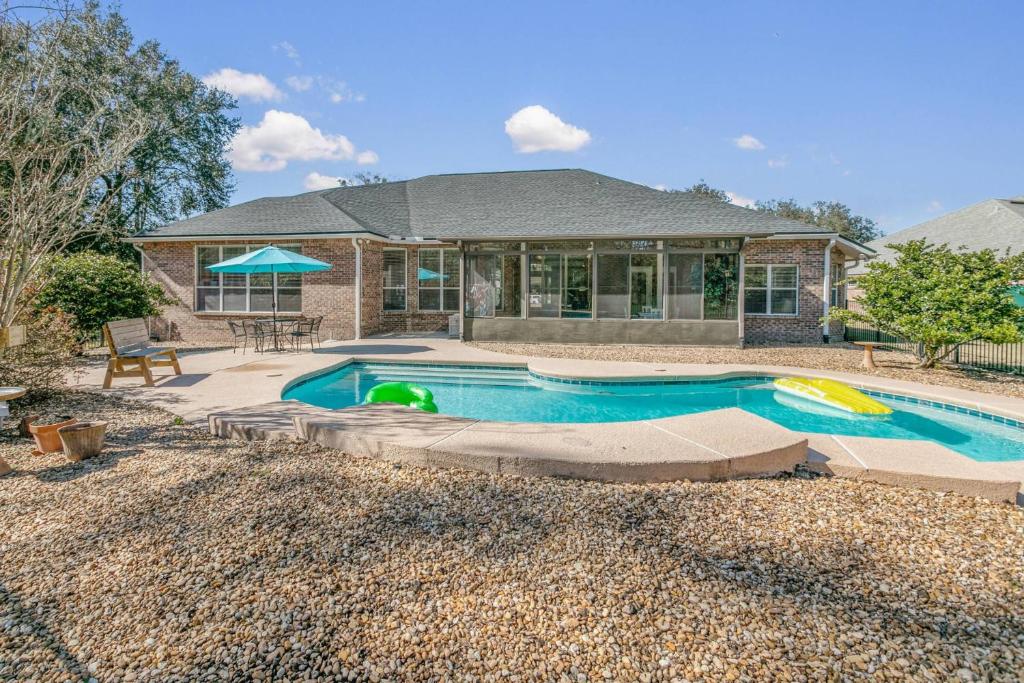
[996, 224]
[547, 256]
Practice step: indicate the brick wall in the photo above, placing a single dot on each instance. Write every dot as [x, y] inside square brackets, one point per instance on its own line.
[804, 327]
[375, 319]
[328, 293]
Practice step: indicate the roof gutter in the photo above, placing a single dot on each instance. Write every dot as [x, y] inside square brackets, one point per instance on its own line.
[277, 237]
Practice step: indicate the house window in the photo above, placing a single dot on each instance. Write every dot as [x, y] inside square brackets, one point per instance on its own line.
[628, 286]
[438, 278]
[771, 290]
[838, 286]
[241, 293]
[394, 279]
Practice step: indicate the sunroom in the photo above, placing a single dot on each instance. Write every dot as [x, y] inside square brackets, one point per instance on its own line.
[671, 291]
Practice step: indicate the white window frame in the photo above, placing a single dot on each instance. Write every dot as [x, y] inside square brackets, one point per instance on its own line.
[404, 287]
[440, 287]
[770, 287]
[248, 286]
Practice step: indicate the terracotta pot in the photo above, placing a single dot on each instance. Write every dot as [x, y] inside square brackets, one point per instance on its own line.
[83, 439]
[46, 436]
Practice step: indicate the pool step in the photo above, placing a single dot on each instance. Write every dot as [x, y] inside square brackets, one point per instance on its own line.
[456, 376]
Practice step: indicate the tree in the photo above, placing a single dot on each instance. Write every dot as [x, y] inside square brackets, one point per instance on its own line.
[830, 216]
[702, 189]
[364, 179]
[96, 288]
[179, 167]
[64, 125]
[939, 298]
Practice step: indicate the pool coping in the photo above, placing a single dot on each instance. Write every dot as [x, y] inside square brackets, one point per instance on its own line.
[881, 389]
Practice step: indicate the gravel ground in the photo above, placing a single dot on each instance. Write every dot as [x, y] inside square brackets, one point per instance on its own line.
[839, 357]
[174, 556]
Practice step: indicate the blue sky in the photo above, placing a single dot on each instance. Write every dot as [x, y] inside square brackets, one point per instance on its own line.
[902, 110]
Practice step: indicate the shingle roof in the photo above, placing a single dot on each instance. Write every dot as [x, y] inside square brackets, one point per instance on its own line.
[992, 224]
[569, 202]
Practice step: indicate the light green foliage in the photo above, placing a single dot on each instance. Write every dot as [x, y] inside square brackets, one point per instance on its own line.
[96, 288]
[939, 298]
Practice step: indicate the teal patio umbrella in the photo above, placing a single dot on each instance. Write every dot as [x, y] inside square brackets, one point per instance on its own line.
[270, 260]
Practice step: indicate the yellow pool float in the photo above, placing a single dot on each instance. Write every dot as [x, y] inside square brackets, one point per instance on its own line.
[831, 393]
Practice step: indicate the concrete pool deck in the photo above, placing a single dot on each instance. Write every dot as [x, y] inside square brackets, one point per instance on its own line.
[246, 390]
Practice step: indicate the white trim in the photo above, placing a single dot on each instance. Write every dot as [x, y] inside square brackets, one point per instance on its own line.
[827, 293]
[405, 276]
[276, 237]
[358, 286]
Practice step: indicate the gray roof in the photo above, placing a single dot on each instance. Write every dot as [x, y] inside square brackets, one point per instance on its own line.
[996, 224]
[556, 203]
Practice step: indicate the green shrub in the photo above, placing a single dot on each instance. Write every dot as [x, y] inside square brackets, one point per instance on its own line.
[96, 289]
[939, 298]
[43, 363]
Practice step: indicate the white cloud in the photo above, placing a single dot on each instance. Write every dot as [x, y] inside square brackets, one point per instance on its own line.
[289, 51]
[255, 87]
[661, 186]
[299, 83]
[739, 200]
[748, 142]
[836, 161]
[535, 129]
[781, 162]
[319, 181]
[282, 137]
[367, 157]
[934, 206]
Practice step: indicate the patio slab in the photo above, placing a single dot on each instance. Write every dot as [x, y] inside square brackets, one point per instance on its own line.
[686, 447]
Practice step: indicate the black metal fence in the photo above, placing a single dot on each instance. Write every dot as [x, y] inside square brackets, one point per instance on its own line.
[998, 357]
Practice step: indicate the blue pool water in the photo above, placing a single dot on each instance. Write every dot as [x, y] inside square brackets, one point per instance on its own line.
[515, 395]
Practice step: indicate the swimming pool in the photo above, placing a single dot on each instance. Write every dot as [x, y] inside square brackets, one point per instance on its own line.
[515, 394]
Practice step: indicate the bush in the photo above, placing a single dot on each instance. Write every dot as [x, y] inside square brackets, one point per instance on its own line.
[42, 364]
[96, 289]
[940, 299]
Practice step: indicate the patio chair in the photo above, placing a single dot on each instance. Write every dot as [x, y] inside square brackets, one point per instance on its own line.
[263, 330]
[306, 328]
[240, 330]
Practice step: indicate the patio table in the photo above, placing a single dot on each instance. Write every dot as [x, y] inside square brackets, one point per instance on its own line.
[279, 327]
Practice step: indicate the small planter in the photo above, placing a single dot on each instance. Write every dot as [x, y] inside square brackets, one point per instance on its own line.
[46, 436]
[83, 439]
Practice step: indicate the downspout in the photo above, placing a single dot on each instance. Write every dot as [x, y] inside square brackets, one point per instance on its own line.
[462, 291]
[741, 294]
[358, 288]
[142, 275]
[827, 290]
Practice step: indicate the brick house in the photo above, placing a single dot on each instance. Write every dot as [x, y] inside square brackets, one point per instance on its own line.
[552, 256]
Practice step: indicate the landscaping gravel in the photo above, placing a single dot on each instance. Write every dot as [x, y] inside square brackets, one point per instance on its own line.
[175, 556]
[838, 357]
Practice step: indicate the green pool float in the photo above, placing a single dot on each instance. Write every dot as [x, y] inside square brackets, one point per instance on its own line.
[404, 393]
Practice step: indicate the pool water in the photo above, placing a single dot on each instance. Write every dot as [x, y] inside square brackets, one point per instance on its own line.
[516, 395]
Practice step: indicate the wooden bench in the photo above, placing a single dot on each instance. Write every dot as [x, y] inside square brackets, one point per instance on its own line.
[128, 341]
